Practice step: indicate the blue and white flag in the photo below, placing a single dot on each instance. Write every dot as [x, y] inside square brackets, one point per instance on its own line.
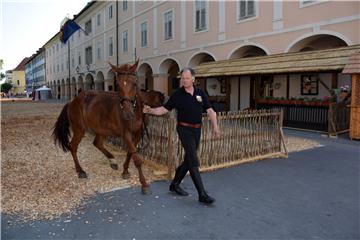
[68, 29]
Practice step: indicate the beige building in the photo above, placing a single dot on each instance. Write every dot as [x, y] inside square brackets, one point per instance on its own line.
[18, 79]
[169, 35]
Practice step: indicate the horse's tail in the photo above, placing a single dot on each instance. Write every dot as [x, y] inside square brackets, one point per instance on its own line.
[61, 133]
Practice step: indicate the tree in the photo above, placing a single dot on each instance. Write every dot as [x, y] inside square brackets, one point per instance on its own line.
[5, 87]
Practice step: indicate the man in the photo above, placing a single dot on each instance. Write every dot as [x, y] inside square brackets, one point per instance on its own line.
[189, 103]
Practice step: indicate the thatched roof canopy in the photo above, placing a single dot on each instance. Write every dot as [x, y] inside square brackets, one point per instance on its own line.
[311, 61]
[353, 65]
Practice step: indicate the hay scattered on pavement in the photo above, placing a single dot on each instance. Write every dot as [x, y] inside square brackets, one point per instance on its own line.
[38, 180]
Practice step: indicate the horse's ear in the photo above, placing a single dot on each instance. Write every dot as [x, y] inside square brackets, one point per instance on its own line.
[114, 68]
[134, 67]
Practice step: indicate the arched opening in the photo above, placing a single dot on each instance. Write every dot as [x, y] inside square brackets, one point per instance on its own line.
[146, 79]
[171, 69]
[110, 81]
[200, 58]
[80, 85]
[73, 88]
[99, 83]
[317, 42]
[58, 90]
[248, 51]
[89, 82]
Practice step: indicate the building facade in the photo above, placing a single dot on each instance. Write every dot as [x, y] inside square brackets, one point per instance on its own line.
[169, 35]
[18, 79]
[35, 71]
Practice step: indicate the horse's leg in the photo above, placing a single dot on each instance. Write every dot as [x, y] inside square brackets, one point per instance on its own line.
[99, 144]
[76, 139]
[137, 161]
[125, 174]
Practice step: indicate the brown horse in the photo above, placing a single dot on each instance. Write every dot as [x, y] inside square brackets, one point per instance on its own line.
[107, 114]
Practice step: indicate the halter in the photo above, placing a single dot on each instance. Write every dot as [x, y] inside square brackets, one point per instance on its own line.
[123, 99]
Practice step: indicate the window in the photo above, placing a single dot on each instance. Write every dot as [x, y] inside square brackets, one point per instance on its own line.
[88, 55]
[125, 41]
[309, 85]
[73, 61]
[125, 5]
[111, 46]
[306, 3]
[88, 27]
[98, 51]
[246, 9]
[79, 59]
[18, 82]
[168, 27]
[110, 12]
[98, 19]
[200, 15]
[143, 30]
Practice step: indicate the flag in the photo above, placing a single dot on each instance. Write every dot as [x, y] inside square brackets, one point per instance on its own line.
[68, 29]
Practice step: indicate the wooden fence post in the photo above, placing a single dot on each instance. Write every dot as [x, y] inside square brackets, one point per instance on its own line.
[171, 147]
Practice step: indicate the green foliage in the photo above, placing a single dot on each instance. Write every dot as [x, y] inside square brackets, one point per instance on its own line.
[5, 87]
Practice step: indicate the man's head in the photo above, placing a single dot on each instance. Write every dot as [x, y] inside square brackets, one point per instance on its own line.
[187, 77]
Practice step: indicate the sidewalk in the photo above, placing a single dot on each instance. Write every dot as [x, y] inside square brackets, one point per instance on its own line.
[314, 194]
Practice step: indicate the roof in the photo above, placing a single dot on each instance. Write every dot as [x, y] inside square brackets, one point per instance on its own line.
[353, 64]
[42, 49]
[43, 88]
[311, 61]
[21, 66]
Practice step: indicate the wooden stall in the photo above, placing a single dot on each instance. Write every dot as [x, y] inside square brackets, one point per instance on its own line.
[353, 68]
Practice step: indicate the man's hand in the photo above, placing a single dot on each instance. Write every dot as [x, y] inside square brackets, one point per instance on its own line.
[146, 109]
[216, 132]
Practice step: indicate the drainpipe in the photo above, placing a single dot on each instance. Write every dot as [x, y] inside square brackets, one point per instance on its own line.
[117, 33]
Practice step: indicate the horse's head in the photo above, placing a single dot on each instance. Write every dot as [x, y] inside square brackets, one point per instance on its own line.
[152, 98]
[127, 81]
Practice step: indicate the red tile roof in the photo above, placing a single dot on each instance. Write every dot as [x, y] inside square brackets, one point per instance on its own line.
[21, 66]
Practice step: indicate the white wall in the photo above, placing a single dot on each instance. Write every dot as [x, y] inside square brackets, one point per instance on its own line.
[244, 92]
[280, 81]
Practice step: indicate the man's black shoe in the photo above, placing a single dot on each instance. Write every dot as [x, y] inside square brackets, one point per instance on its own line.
[204, 198]
[176, 188]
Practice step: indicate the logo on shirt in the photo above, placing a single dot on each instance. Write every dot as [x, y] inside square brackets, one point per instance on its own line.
[198, 98]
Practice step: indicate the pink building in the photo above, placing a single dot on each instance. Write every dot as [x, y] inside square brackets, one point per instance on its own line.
[169, 35]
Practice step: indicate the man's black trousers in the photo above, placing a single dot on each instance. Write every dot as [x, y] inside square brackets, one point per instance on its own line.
[190, 139]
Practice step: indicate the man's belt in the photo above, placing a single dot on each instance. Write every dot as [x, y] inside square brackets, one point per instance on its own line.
[192, 125]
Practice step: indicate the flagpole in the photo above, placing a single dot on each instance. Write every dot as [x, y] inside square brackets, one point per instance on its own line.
[69, 70]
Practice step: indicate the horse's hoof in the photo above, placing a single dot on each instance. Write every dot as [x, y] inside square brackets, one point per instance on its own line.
[146, 190]
[125, 175]
[82, 175]
[114, 166]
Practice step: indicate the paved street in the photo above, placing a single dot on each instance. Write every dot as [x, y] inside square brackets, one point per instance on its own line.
[314, 194]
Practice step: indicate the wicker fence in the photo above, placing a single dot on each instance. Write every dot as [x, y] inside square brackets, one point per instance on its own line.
[245, 136]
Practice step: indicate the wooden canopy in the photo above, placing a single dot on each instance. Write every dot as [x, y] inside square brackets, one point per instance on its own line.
[353, 65]
[311, 61]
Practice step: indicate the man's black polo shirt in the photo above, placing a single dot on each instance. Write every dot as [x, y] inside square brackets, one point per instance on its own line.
[189, 108]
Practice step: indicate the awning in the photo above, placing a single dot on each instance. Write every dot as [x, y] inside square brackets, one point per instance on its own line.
[311, 61]
[353, 65]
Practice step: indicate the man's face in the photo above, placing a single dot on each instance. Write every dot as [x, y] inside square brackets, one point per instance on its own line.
[186, 79]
